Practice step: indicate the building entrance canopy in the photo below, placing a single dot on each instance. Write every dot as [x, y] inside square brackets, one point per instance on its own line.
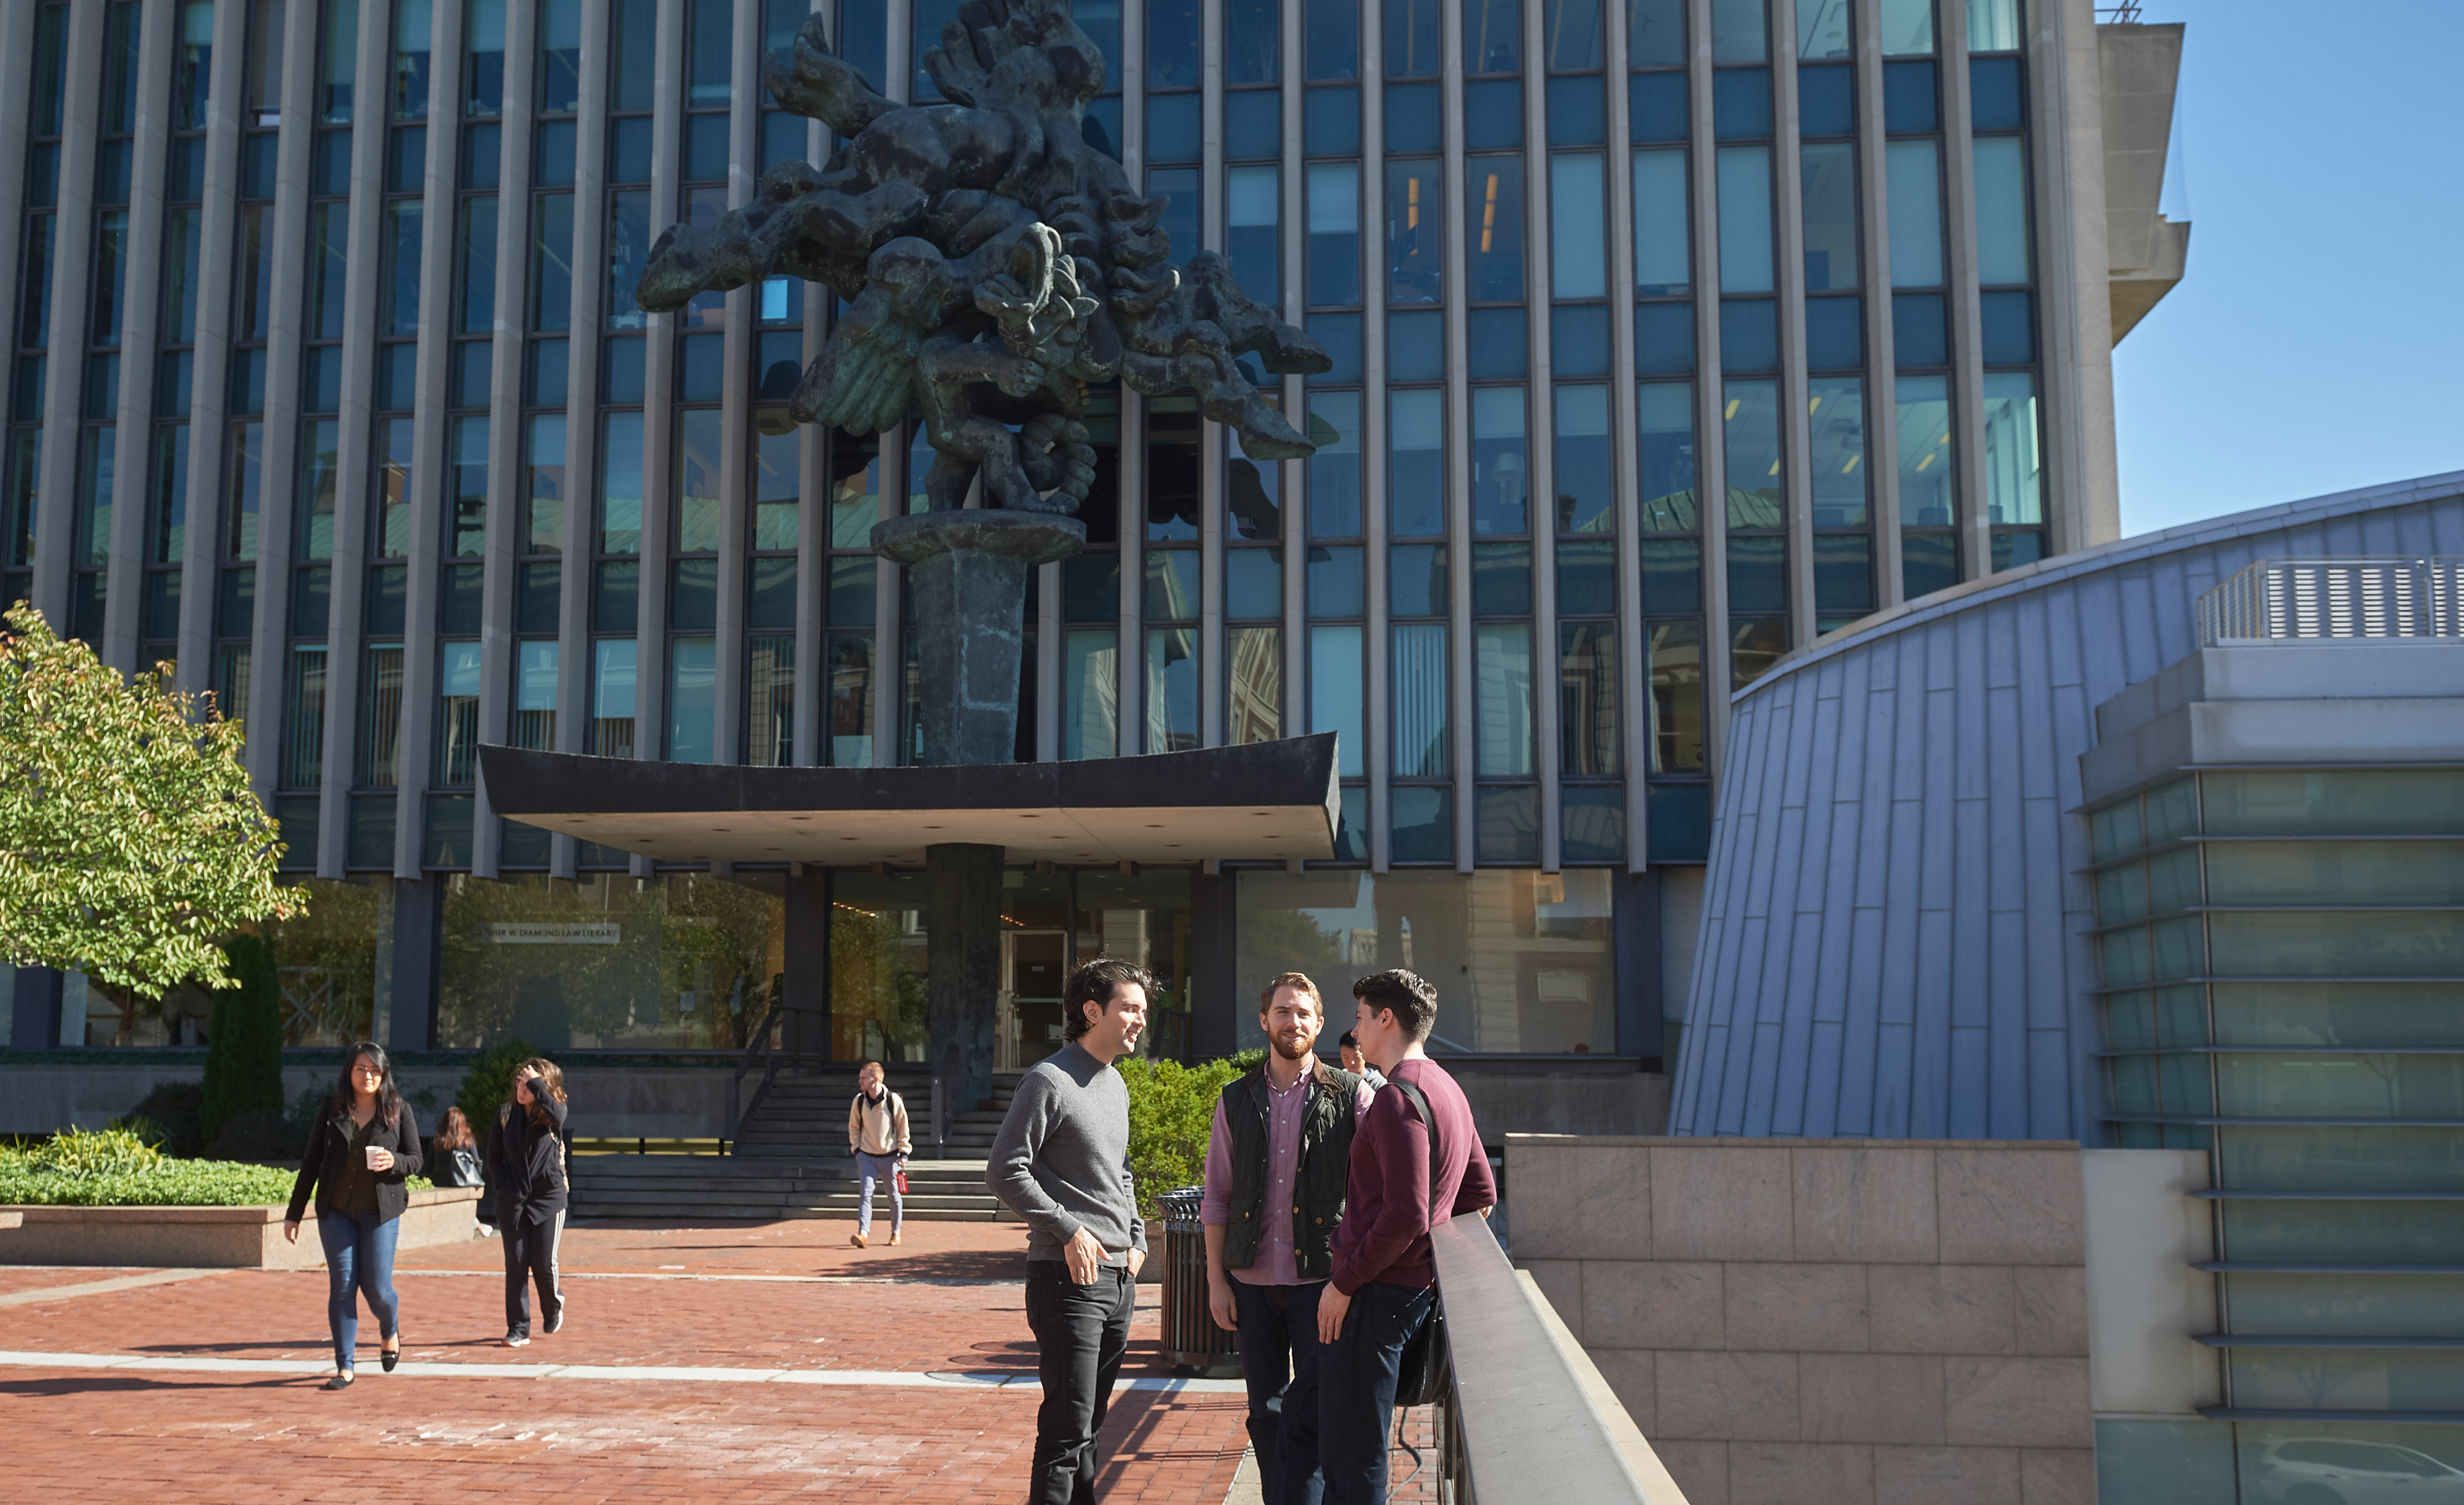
[1271, 801]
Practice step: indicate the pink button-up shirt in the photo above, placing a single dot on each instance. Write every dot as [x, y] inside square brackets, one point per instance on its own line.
[1277, 1263]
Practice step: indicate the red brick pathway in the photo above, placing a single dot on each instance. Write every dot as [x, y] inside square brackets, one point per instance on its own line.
[168, 1436]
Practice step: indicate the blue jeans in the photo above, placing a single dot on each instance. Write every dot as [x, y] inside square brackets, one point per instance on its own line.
[1278, 1337]
[359, 1261]
[1355, 1394]
[882, 1168]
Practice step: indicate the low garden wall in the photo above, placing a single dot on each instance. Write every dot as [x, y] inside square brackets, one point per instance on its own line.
[210, 1238]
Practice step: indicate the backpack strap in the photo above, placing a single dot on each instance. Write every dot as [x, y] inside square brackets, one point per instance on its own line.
[1428, 1115]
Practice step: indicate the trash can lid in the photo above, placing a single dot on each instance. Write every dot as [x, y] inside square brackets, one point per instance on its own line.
[1180, 1208]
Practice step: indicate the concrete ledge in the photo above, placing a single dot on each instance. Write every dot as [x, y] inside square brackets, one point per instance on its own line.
[210, 1238]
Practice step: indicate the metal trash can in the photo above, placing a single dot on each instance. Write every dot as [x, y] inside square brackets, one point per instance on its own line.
[1192, 1344]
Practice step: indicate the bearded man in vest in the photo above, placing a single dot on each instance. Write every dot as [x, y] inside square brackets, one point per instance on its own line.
[1276, 1167]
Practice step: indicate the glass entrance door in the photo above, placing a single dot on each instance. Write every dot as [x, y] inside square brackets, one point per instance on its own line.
[1028, 1029]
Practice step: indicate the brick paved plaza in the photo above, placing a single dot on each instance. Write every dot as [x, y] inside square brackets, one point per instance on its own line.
[721, 1363]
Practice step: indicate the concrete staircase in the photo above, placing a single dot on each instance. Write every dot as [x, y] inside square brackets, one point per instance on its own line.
[803, 1117]
[691, 1188]
[790, 1161]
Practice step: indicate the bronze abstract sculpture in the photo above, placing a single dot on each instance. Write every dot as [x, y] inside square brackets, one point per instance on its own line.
[994, 263]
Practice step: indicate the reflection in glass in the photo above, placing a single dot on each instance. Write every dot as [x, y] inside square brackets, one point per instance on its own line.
[1737, 31]
[1836, 406]
[457, 722]
[1414, 234]
[248, 486]
[1493, 228]
[1907, 28]
[1502, 681]
[693, 695]
[1745, 219]
[1255, 658]
[1753, 647]
[1334, 470]
[1411, 28]
[619, 483]
[551, 263]
[1924, 451]
[1415, 478]
[2001, 209]
[1586, 467]
[1090, 694]
[1500, 470]
[1492, 41]
[1915, 214]
[1420, 725]
[1676, 670]
[629, 253]
[1334, 233]
[776, 504]
[1822, 29]
[380, 719]
[1253, 219]
[2012, 490]
[1578, 227]
[1666, 455]
[770, 701]
[1335, 687]
[1663, 221]
[700, 442]
[1751, 437]
[1587, 697]
[534, 695]
[1830, 196]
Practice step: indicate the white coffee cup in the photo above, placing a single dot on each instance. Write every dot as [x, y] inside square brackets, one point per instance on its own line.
[375, 1150]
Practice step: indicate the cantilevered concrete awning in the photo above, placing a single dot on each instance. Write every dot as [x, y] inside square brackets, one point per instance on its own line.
[1268, 799]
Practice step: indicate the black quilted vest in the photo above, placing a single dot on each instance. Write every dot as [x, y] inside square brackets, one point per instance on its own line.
[1319, 1181]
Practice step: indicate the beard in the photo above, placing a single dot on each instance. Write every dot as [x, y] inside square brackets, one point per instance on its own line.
[1291, 1048]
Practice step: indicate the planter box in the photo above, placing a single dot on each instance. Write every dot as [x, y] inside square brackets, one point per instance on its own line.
[210, 1238]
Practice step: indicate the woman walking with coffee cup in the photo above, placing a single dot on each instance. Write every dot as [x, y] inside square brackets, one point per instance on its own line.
[526, 1177]
[365, 1145]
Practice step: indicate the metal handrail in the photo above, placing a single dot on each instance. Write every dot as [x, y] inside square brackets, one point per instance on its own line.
[1523, 1403]
[2368, 598]
[757, 1050]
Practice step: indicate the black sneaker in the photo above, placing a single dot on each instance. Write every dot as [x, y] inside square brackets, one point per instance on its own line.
[517, 1339]
[556, 1315]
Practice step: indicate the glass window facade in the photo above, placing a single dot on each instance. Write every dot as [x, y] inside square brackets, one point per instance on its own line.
[1553, 327]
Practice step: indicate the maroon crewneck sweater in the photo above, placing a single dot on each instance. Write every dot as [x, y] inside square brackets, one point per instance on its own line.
[1386, 1215]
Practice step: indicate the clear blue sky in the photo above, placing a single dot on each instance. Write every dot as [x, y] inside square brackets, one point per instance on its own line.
[2318, 343]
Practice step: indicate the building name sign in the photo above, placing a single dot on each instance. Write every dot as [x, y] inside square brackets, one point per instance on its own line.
[546, 933]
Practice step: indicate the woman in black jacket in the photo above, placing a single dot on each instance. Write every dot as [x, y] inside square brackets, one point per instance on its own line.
[526, 1178]
[366, 1146]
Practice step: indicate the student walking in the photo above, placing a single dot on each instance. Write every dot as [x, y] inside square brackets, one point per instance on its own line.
[365, 1145]
[877, 1139]
[526, 1175]
[1282, 1141]
[1405, 1180]
[1061, 1161]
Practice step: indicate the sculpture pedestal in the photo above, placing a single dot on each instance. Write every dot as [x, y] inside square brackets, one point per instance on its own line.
[968, 570]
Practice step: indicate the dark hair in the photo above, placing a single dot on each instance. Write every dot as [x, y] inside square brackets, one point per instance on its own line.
[1349, 1042]
[1097, 982]
[347, 1091]
[1413, 1000]
[454, 1133]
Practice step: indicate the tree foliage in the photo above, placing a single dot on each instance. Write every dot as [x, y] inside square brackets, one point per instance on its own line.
[487, 1085]
[129, 838]
[244, 1044]
[1172, 1111]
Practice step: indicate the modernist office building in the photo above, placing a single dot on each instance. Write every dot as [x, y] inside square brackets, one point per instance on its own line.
[1667, 335]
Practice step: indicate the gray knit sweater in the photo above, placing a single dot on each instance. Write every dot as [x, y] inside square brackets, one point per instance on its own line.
[1062, 1160]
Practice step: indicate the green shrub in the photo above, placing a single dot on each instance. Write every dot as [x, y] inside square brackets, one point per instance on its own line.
[171, 1110]
[306, 1109]
[117, 1169]
[244, 1040]
[489, 1084]
[1172, 1111]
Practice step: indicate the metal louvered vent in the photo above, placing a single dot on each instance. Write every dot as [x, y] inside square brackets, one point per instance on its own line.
[2311, 599]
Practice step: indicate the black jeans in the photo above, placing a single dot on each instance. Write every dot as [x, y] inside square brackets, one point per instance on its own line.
[1355, 1396]
[1081, 1331]
[1278, 1337]
[530, 1256]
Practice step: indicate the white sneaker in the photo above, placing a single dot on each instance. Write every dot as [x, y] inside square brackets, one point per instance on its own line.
[516, 1340]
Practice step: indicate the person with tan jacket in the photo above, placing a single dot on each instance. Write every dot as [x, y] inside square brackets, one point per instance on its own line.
[877, 1136]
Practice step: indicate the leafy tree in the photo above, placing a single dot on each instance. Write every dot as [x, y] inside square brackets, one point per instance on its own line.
[129, 837]
[1172, 1111]
[244, 1045]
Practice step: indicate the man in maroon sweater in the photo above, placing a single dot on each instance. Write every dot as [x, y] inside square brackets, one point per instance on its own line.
[1384, 1278]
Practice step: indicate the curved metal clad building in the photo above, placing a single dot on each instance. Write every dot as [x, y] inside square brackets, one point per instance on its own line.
[1894, 938]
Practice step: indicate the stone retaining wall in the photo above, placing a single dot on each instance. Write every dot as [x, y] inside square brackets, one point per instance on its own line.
[211, 1238]
[1836, 1322]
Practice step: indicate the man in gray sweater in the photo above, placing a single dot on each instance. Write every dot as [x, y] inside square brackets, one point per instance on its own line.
[1062, 1162]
